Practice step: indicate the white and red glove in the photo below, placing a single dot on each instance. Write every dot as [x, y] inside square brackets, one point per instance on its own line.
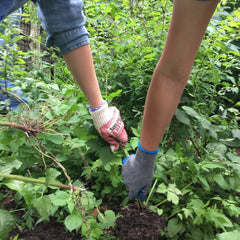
[109, 125]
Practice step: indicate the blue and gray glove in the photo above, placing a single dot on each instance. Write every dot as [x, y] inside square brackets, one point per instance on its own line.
[137, 172]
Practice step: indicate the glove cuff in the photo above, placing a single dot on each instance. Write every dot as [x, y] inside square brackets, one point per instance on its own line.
[145, 151]
[100, 115]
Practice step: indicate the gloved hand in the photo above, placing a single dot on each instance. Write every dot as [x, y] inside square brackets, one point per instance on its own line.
[109, 125]
[137, 172]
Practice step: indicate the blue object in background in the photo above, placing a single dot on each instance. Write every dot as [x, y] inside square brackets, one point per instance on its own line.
[15, 19]
[14, 102]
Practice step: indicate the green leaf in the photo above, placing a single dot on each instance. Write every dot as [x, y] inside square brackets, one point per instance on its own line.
[172, 193]
[4, 147]
[233, 157]
[57, 139]
[25, 189]
[162, 188]
[172, 197]
[6, 224]
[205, 123]
[135, 132]
[43, 206]
[232, 142]
[16, 143]
[212, 166]
[150, 56]
[236, 133]
[182, 117]
[219, 179]
[108, 220]
[174, 227]
[114, 94]
[234, 235]
[204, 182]
[190, 111]
[219, 219]
[8, 164]
[134, 142]
[51, 175]
[59, 198]
[73, 221]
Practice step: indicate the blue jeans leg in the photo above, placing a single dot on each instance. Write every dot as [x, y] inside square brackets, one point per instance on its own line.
[64, 22]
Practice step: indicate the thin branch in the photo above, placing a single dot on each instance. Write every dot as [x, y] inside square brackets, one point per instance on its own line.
[38, 181]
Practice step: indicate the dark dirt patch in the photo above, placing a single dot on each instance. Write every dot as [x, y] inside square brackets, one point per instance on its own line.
[45, 231]
[136, 224]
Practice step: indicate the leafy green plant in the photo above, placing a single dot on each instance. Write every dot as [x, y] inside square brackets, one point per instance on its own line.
[69, 171]
[198, 198]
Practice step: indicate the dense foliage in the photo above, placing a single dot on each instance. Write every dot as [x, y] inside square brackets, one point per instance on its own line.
[49, 143]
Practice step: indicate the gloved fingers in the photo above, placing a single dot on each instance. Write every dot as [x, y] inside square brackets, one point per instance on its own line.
[134, 193]
[114, 145]
[114, 148]
[122, 138]
[141, 194]
[128, 158]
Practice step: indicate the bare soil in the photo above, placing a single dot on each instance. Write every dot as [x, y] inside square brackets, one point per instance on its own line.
[134, 224]
[140, 224]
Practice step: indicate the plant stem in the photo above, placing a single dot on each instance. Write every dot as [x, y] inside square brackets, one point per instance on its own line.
[125, 152]
[150, 193]
[13, 125]
[38, 181]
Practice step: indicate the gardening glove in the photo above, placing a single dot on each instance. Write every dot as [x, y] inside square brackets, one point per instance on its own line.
[109, 125]
[137, 172]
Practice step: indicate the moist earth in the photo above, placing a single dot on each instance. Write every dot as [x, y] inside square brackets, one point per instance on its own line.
[134, 223]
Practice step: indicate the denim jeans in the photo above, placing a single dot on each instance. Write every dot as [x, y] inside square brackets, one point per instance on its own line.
[14, 20]
[62, 19]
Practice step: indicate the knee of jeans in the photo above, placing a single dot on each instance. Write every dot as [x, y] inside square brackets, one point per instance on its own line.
[69, 40]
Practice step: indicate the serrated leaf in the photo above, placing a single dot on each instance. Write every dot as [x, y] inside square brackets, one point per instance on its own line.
[71, 206]
[219, 179]
[57, 139]
[73, 221]
[6, 224]
[205, 123]
[51, 175]
[135, 132]
[234, 235]
[16, 143]
[43, 205]
[232, 142]
[212, 166]
[108, 219]
[59, 198]
[134, 142]
[24, 189]
[162, 188]
[4, 147]
[172, 197]
[8, 164]
[204, 182]
[233, 157]
[236, 133]
[219, 219]
[182, 117]
[174, 227]
[190, 111]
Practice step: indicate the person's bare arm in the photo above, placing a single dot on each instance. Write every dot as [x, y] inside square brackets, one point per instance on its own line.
[80, 63]
[107, 120]
[188, 25]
